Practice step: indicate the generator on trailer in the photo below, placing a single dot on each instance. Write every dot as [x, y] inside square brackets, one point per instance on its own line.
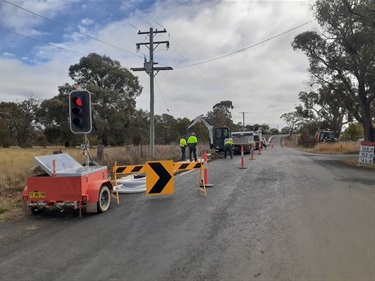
[66, 183]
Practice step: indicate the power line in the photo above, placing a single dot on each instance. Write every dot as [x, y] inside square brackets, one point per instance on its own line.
[207, 79]
[32, 38]
[150, 69]
[157, 83]
[111, 12]
[65, 26]
[140, 16]
[51, 44]
[246, 48]
[147, 16]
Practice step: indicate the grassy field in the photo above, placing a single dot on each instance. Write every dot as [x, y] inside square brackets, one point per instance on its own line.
[337, 148]
[342, 148]
[17, 164]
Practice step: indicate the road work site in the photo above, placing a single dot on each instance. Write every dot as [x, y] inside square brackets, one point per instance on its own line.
[288, 215]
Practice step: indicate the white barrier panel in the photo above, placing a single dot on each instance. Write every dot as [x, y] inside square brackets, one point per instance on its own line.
[130, 185]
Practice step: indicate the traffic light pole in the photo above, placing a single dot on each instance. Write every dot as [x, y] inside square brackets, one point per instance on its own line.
[150, 70]
[87, 151]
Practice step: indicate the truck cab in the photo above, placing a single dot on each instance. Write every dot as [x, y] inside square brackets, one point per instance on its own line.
[327, 137]
[219, 136]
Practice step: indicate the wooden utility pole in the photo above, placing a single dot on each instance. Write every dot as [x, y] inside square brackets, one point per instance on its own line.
[243, 119]
[150, 69]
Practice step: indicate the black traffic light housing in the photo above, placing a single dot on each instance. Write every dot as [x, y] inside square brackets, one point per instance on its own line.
[80, 112]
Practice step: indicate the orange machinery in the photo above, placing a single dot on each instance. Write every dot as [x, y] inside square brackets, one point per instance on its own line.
[66, 183]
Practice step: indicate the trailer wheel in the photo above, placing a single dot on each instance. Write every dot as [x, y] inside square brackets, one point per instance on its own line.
[104, 199]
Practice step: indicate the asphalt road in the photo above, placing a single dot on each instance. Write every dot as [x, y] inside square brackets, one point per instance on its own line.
[290, 215]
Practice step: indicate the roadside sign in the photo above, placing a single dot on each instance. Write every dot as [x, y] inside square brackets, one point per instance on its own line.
[160, 177]
[366, 153]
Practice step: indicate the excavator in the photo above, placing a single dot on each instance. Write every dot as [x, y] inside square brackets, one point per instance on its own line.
[217, 135]
[325, 136]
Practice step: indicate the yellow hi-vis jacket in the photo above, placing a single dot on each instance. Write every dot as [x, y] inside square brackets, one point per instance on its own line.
[192, 140]
[182, 142]
[229, 142]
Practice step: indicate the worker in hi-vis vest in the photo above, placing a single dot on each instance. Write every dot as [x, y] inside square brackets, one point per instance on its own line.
[183, 148]
[192, 144]
[228, 148]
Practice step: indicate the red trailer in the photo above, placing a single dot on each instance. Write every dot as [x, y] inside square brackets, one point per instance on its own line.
[66, 183]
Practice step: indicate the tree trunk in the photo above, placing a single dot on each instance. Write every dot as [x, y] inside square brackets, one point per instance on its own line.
[366, 115]
[105, 138]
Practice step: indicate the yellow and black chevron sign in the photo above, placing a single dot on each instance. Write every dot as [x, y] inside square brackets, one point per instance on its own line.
[188, 166]
[131, 169]
[160, 177]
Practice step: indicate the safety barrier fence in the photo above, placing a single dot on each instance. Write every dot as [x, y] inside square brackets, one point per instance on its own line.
[160, 175]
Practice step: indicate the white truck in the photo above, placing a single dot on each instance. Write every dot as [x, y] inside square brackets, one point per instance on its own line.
[258, 138]
[243, 138]
[247, 139]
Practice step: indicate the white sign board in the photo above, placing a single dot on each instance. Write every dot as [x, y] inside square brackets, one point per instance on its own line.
[366, 154]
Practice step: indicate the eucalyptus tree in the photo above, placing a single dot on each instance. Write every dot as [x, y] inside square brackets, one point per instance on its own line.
[20, 120]
[165, 132]
[138, 128]
[114, 90]
[293, 120]
[5, 135]
[324, 106]
[344, 51]
[220, 116]
[53, 115]
[180, 126]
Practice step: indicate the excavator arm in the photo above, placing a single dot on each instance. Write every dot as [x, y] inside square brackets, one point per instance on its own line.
[206, 123]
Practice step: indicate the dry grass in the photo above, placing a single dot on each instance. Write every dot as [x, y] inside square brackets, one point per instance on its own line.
[343, 148]
[337, 148]
[290, 141]
[16, 165]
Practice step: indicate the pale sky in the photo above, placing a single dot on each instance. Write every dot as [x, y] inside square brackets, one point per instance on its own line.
[219, 50]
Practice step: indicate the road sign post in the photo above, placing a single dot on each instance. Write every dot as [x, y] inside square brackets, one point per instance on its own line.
[367, 153]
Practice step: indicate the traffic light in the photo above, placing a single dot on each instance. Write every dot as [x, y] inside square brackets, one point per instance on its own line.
[80, 112]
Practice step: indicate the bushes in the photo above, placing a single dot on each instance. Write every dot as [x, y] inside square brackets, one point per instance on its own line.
[305, 140]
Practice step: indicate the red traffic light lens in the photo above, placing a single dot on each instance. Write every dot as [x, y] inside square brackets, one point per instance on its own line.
[77, 101]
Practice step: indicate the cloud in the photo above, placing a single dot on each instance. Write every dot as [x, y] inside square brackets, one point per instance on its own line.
[40, 81]
[87, 21]
[15, 15]
[262, 79]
